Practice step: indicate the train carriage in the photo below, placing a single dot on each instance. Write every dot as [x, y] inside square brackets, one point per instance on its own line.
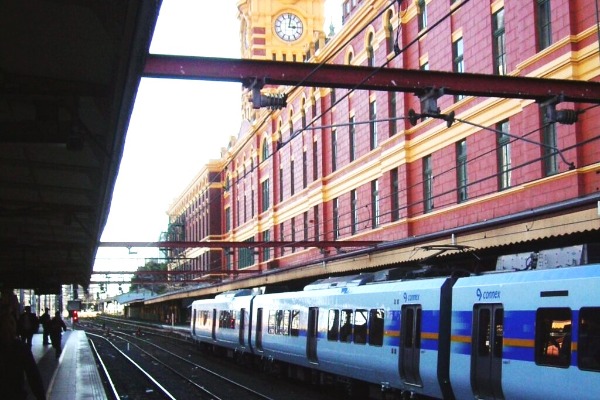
[223, 321]
[527, 335]
[354, 330]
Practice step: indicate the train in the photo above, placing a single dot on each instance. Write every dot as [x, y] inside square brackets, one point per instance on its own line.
[532, 334]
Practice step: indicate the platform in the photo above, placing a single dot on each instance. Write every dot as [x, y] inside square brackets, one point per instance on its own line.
[74, 375]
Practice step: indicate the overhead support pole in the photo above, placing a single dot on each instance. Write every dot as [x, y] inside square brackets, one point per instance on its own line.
[368, 78]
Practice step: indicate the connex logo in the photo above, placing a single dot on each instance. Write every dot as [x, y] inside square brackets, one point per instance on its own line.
[410, 297]
[488, 295]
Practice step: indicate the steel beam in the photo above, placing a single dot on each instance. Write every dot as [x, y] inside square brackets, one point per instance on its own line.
[370, 78]
[257, 244]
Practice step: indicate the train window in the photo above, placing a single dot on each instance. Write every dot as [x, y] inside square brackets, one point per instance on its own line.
[376, 327]
[360, 326]
[333, 325]
[295, 323]
[227, 319]
[271, 324]
[204, 316]
[346, 324]
[279, 322]
[588, 343]
[284, 323]
[553, 337]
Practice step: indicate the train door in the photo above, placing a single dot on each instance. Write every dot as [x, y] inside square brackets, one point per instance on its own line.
[410, 345]
[259, 324]
[194, 322]
[242, 331]
[214, 324]
[486, 351]
[311, 334]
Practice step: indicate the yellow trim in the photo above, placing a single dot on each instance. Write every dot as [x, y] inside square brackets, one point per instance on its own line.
[497, 5]
[457, 34]
[461, 339]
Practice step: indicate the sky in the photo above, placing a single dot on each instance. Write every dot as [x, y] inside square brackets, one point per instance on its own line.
[176, 127]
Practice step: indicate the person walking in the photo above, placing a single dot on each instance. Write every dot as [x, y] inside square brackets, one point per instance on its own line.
[28, 325]
[57, 326]
[45, 321]
[16, 363]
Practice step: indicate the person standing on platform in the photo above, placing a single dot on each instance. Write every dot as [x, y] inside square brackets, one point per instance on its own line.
[8, 299]
[57, 326]
[45, 321]
[16, 363]
[28, 325]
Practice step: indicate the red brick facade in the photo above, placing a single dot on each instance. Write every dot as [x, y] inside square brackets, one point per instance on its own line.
[310, 169]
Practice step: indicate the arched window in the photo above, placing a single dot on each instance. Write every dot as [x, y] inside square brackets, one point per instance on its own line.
[370, 52]
[265, 149]
[389, 32]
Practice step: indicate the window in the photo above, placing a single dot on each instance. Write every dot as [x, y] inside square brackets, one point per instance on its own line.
[499, 43]
[265, 149]
[376, 324]
[266, 250]
[332, 97]
[265, 195]
[333, 331]
[458, 62]
[246, 255]
[279, 322]
[392, 123]
[360, 326]
[245, 209]
[544, 27]
[370, 52]
[422, 14]
[346, 325]
[227, 219]
[252, 203]
[352, 138]
[588, 343]
[316, 221]
[394, 195]
[333, 150]
[282, 236]
[295, 323]
[427, 184]
[315, 161]
[293, 228]
[389, 32]
[303, 115]
[354, 211]
[504, 159]
[549, 146]
[336, 222]
[553, 337]
[280, 181]
[292, 178]
[373, 124]
[375, 204]
[227, 319]
[304, 169]
[305, 225]
[461, 170]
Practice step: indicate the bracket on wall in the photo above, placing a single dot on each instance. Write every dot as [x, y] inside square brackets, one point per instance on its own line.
[260, 100]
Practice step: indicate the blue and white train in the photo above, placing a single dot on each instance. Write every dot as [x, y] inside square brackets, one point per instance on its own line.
[510, 335]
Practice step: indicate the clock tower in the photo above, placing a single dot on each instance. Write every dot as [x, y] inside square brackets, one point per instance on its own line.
[280, 30]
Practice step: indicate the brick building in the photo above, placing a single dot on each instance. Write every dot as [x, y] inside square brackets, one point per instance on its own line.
[349, 164]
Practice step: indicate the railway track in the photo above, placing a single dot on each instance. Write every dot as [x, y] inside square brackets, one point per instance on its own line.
[181, 371]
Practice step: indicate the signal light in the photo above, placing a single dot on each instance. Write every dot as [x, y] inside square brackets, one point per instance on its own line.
[75, 316]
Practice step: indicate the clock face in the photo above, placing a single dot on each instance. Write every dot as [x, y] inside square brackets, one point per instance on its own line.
[288, 27]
